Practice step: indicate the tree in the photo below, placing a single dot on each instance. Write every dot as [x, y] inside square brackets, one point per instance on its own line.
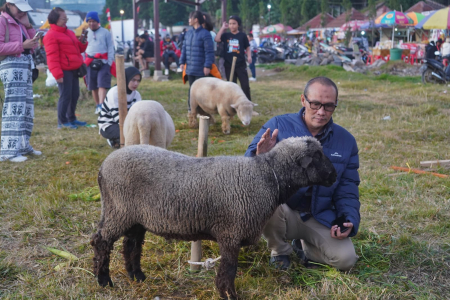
[244, 7]
[171, 13]
[324, 11]
[372, 15]
[309, 10]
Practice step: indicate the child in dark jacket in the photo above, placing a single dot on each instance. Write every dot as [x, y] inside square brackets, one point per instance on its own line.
[198, 51]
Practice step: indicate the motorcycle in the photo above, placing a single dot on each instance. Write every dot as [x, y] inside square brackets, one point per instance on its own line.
[270, 53]
[434, 71]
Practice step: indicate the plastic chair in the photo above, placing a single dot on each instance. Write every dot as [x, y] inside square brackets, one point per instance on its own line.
[369, 59]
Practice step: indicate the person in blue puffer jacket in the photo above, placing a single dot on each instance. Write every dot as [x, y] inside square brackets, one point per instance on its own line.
[197, 52]
[320, 220]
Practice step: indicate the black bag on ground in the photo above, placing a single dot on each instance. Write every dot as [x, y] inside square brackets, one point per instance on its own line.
[96, 64]
[35, 74]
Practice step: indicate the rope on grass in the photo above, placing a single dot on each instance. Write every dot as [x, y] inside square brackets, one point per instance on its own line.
[207, 264]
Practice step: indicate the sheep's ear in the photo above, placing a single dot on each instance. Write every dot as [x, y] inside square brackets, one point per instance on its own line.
[306, 161]
[254, 104]
[233, 106]
[254, 113]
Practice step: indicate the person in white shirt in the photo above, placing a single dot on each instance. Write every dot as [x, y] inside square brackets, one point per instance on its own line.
[108, 119]
[446, 47]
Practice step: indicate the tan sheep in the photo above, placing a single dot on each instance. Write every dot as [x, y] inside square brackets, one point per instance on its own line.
[148, 123]
[210, 96]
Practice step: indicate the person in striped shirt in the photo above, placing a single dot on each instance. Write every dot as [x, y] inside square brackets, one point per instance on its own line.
[108, 119]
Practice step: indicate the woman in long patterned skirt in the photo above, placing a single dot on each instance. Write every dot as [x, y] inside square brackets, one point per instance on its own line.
[16, 43]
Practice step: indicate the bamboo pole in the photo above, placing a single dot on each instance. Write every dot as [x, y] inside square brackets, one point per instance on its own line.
[233, 65]
[122, 95]
[202, 151]
[418, 171]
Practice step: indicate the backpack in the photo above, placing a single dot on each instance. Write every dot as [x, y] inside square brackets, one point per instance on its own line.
[2, 57]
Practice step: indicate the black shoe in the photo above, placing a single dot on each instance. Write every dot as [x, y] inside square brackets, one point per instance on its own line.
[281, 262]
[298, 249]
[114, 143]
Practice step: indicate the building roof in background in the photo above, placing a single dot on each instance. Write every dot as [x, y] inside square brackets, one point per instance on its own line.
[426, 5]
[341, 20]
[315, 22]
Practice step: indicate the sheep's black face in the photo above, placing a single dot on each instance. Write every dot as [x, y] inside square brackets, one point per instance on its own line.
[319, 169]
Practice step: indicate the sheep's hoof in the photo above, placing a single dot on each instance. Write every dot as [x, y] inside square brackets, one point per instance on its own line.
[140, 276]
[103, 281]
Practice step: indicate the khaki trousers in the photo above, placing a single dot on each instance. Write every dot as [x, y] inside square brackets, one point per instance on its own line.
[317, 242]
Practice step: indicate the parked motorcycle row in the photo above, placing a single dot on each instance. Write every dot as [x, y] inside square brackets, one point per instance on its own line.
[434, 70]
[279, 52]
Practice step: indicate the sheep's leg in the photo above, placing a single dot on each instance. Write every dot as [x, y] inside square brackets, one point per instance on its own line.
[226, 127]
[227, 270]
[192, 115]
[132, 250]
[102, 252]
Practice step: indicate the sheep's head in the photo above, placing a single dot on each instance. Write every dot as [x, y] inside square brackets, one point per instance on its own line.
[307, 153]
[245, 111]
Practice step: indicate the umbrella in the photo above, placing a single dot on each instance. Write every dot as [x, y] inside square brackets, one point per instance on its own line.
[416, 17]
[439, 20]
[277, 28]
[393, 18]
[352, 25]
[420, 24]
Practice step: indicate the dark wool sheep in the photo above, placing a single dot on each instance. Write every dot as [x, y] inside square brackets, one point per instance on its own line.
[224, 199]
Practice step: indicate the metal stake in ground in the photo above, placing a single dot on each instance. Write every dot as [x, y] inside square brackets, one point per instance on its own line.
[202, 151]
[233, 65]
[122, 94]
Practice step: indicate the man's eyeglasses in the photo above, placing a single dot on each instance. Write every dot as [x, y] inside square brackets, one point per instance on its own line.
[315, 105]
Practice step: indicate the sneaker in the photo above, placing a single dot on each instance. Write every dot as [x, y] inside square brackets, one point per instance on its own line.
[252, 79]
[67, 125]
[298, 249]
[78, 123]
[18, 158]
[114, 143]
[179, 70]
[98, 109]
[281, 262]
[36, 152]
[166, 72]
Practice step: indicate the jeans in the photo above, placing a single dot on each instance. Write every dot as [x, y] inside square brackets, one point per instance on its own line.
[166, 57]
[252, 65]
[69, 91]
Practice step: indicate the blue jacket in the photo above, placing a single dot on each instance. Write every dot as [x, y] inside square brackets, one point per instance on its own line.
[327, 203]
[198, 51]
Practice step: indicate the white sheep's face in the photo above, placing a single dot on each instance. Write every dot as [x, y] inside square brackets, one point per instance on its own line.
[245, 112]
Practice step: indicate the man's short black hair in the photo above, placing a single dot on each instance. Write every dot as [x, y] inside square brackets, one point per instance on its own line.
[143, 36]
[250, 34]
[323, 81]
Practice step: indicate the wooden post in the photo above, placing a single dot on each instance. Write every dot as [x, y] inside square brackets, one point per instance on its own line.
[122, 94]
[233, 65]
[202, 151]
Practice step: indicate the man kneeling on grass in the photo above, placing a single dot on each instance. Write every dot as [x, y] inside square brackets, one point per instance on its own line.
[319, 220]
[108, 119]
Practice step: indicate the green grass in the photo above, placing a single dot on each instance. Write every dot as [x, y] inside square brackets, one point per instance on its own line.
[403, 242]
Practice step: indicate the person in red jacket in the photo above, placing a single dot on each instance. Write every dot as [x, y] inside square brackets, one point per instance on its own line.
[167, 51]
[64, 59]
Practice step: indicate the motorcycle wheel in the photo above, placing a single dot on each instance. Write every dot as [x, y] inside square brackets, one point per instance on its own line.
[427, 77]
[262, 60]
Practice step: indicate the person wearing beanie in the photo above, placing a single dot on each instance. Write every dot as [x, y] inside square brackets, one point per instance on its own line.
[236, 44]
[100, 58]
[108, 119]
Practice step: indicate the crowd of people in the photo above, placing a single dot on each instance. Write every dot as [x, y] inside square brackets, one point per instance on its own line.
[319, 220]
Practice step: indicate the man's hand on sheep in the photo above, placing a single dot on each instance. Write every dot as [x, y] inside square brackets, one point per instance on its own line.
[206, 71]
[336, 231]
[266, 143]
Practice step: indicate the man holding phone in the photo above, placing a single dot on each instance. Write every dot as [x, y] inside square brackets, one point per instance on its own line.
[320, 220]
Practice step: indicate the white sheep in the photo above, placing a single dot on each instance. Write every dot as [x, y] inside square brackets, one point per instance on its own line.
[210, 96]
[148, 123]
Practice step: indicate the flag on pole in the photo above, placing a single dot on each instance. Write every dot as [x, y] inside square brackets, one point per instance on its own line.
[108, 14]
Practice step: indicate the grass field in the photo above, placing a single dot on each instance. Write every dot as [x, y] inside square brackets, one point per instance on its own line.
[403, 242]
